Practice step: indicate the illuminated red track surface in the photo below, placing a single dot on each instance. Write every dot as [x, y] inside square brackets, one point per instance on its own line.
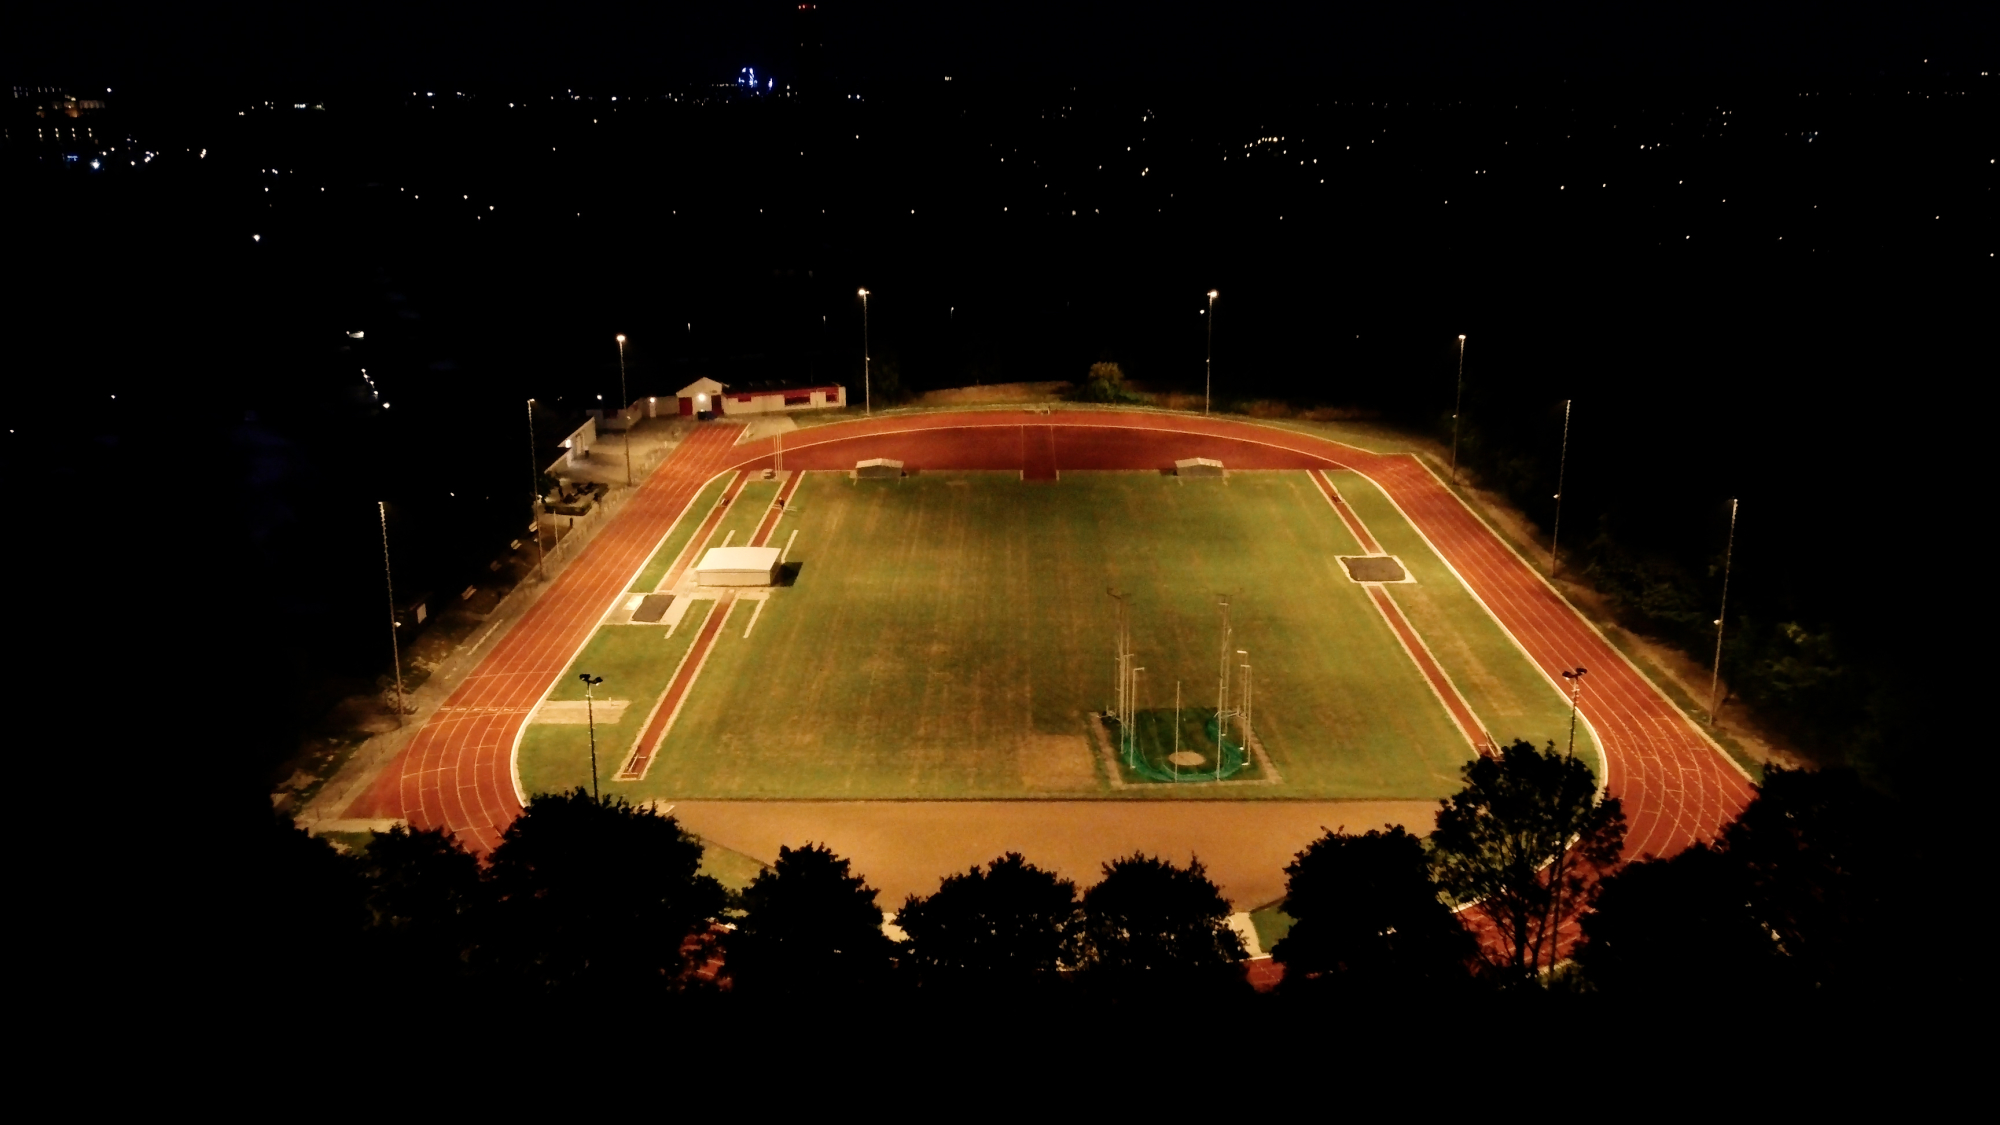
[1677, 787]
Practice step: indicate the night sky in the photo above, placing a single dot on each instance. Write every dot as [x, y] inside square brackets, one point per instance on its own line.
[293, 49]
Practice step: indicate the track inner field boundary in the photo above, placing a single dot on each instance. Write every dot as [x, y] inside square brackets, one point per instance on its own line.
[1675, 793]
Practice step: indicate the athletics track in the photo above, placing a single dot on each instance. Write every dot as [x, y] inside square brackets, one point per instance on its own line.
[1677, 787]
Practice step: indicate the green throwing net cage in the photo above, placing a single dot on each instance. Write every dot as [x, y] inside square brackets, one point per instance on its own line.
[1204, 754]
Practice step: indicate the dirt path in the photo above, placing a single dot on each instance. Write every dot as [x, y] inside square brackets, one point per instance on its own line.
[905, 847]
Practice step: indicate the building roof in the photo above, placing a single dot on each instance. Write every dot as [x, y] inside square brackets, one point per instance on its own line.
[739, 558]
[702, 386]
[881, 461]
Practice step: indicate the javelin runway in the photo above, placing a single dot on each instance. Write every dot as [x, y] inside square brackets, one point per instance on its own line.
[1677, 786]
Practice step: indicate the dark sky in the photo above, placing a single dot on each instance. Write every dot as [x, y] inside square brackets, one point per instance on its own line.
[470, 44]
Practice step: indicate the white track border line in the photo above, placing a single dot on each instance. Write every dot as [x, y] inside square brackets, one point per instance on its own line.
[1588, 623]
[754, 615]
[514, 753]
[692, 679]
[1603, 760]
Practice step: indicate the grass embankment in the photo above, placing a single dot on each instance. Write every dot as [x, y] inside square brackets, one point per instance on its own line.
[947, 635]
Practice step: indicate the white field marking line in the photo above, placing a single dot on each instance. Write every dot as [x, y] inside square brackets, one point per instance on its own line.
[632, 751]
[1603, 761]
[1588, 623]
[521, 732]
[693, 678]
[754, 615]
[788, 547]
[1443, 704]
[727, 538]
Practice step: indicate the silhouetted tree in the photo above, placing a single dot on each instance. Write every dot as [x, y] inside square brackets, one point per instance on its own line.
[1105, 383]
[1002, 926]
[427, 902]
[598, 893]
[1814, 889]
[289, 903]
[1367, 917]
[1152, 923]
[1527, 840]
[808, 926]
[1679, 925]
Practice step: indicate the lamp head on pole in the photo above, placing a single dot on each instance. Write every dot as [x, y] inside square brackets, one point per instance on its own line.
[862, 293]
[1212, 294]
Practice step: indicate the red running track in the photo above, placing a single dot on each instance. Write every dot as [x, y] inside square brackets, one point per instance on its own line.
[1676, 785]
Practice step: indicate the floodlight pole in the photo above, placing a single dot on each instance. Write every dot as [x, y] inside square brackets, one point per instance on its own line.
[1728, 555]
[1562, 465]
[1244, 710]
[1575, 695]
[1176, 758]
[1208, 365]
[1132, 755]
[867, 392]
[623, 404]
[1222, 687]
[590, 683]
[1458, 400]
[535, 491]
[389, 583]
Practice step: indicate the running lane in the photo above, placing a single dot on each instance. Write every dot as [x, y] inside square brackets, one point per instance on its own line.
[457, 772]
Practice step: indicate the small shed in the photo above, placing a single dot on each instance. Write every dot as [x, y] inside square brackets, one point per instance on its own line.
[738, 566]
[878, 468]
[700, 396]
[1198, 467]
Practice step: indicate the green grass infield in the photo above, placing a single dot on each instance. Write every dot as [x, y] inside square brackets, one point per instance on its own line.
[950, 636]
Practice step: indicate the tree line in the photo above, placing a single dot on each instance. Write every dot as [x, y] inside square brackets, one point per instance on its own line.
[1519, 888]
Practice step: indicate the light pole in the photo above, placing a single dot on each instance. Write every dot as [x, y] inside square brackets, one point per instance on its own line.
[1176, 758]
[1222, 687]
[1208, 365]
[1132, 757]
[867, 393]
[1728, 555]
[1457, 401]
[535, 493]
[1562, 466]
[623, 403]
[1244, 708]
[389, 583]
[1575, 679]
[590, 683]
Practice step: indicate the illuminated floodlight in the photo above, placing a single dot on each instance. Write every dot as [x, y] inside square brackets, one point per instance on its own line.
[621, 337]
